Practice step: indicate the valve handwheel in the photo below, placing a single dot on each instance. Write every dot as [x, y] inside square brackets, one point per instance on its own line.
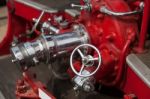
[87, 60]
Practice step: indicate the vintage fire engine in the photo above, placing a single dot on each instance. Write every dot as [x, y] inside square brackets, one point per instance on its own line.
[101, 43]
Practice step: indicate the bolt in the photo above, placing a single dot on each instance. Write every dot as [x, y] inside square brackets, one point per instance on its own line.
[13, 44]
[14, 60]
[49, 19]
[100, 32]
[142, 4]
[111, 37]
[87, 88]
[34, 20]
[101, 16]
[75, 27]
[75, 87]
[35, 60]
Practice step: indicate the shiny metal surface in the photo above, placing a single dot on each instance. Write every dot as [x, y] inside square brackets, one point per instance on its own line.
[105, 10]
[38, 6]
[87, 60]
[87, 6]
[48, 28]
[37, 22]
[72, 12]
[48, 47]
[84, 83]
[139, 68]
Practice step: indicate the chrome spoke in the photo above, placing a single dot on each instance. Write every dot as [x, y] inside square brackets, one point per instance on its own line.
[81, 69]
[94, 59]
[81, 54]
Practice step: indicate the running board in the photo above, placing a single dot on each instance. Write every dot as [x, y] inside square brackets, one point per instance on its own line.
[140, 67]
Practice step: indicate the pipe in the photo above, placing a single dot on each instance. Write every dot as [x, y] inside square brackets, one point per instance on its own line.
[144, 27]
[105, 10]
[122, 61]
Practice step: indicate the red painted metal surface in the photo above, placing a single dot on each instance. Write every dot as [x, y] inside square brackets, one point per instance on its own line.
[130, 96]
[144, 27]
[113, 37]
[134, 85]
[16, 26]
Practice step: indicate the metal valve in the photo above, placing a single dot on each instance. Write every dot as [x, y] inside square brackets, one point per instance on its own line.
[87, 60]
[84, 83]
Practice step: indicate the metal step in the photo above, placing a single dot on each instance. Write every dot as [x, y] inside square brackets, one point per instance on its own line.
[140, 64]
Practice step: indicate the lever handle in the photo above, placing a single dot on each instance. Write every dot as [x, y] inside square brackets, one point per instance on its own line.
[82, 7]
[78, 6]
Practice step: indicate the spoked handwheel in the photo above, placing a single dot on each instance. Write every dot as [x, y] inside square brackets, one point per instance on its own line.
[86, 60]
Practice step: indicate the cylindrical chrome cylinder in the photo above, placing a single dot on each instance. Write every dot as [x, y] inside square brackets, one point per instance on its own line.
[47, 47]
[64, 42]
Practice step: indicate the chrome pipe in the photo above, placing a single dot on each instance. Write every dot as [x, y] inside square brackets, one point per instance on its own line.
[107, 11]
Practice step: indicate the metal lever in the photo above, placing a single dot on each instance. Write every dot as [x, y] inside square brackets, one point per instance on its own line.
[37, 22]
[82, 7]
